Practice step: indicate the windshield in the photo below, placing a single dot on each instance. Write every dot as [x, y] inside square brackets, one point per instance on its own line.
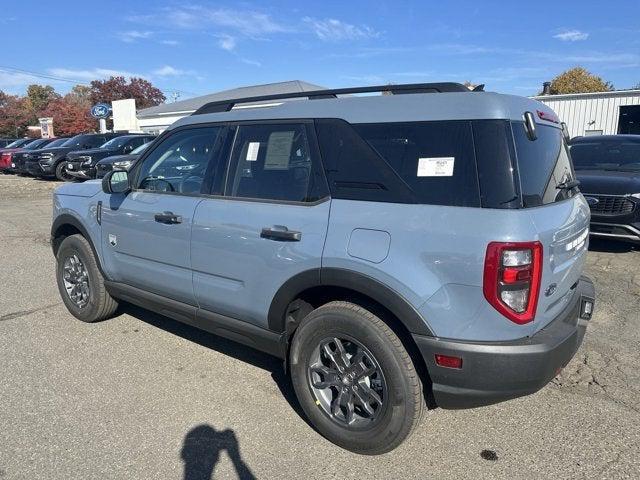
[603, 155]
[73, 141]
[57, 142]
[140, 149]
[544, 165]
[18, 143]
[35, 144]
[115, 143]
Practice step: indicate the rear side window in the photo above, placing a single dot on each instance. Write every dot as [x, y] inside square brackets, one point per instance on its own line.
[435, 159]
[543, 164]
[275, 162]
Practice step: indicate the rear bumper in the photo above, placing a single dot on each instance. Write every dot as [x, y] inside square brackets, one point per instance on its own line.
[496, 371]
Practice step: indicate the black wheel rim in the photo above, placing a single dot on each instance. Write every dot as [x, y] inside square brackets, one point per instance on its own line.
[347, 382]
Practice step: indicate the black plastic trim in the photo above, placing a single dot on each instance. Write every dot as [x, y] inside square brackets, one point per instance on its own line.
[67, 219]
[227, 327]
[358, 282]
[496, 371]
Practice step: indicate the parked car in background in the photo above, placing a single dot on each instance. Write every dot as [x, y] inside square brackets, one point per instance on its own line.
[6, 154]
[4, 142]
[51, 162]
[383, 246]
[21, 156]
[119, 162]
[608, 167]
[18, 143]
[81, 165]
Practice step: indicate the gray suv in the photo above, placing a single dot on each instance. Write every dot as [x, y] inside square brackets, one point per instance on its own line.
[425, 246]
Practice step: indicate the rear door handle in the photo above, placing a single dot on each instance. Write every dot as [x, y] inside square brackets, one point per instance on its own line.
[168, 218]
[281, 233]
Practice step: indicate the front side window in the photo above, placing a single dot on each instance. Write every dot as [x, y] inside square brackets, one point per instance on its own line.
[274, 162]
[180, 162]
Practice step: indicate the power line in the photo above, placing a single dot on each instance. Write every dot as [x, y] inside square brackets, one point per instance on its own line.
[41, 75]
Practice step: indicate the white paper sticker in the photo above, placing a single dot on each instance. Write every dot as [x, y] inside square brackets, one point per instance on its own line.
[279, 150]
[436, 167]
[252, 151]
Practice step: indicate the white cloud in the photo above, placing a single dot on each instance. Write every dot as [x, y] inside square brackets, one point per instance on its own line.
[246, 22]
[91, 74]
[169, 71]
[253, 63]
[330, 29]
[131, 36]
[227, 42]
[170, 42]
[571, 36]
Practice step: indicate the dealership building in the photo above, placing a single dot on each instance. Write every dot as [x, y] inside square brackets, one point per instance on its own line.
[601, 113]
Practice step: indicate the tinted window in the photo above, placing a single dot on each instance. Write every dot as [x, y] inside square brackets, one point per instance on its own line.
[607, 155]
[36, 144]
[543, 164]
[57, 142]
[274, 162]
[179, 162]
[18, 143]
[495, 160]
[115, 143]
[435, 159]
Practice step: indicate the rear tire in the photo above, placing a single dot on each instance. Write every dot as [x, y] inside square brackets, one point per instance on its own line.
[80, 283]
[61, 173]
[367, 415]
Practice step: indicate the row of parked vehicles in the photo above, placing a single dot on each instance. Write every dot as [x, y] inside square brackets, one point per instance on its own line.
[81, 157]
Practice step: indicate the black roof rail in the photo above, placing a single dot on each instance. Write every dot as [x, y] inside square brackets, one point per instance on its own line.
[442, 87]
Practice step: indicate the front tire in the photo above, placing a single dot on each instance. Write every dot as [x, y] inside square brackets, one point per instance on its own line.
[61, 173]
[80, 283]
[354, 379]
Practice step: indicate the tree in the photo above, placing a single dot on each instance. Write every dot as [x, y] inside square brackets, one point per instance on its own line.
[578, 80]
[15, 115]
[117, 88]
[70, 115]
[40, 96]
[81, 94]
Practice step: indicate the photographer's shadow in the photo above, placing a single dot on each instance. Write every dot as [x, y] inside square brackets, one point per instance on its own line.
[201, 451]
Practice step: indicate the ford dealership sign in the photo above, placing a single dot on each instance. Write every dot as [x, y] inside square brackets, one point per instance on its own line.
[101, 110]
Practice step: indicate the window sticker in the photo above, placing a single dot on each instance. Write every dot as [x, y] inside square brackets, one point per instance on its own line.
[436, 166]
[252, 151]
[279, 150]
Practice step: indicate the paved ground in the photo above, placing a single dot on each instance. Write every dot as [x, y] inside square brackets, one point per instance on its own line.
[141, 396]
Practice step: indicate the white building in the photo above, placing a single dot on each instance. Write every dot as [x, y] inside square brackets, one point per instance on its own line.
[156, 119]
[601, 113]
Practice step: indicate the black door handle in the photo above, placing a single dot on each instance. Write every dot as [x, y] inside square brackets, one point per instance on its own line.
[280, 233]
[168, 218]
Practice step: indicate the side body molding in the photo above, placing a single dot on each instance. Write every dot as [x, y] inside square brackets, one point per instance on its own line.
[358, 282]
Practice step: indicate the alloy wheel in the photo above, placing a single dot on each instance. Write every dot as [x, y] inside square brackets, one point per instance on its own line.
[76, 280]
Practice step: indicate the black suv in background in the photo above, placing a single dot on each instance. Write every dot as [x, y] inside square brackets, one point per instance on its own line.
[51, 162]
[20, 157]
[608, 167]
[82, 164]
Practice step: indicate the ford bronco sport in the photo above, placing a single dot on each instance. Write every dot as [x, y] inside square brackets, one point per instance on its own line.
[425, 243]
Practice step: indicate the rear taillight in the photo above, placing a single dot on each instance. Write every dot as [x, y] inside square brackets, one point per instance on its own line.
[5, 160]
[512, 275]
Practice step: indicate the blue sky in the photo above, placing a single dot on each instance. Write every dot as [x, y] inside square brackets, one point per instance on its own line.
[201, 47]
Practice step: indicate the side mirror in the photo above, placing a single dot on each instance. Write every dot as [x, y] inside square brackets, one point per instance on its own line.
[116, 181]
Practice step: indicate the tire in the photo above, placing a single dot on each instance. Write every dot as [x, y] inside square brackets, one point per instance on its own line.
[97, 304]
[358, 330]
[61, 173]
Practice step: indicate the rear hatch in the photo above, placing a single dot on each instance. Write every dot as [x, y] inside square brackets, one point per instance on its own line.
[560, 215]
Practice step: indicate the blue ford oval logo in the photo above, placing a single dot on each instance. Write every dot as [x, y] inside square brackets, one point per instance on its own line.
[592, 201]
[100, 110]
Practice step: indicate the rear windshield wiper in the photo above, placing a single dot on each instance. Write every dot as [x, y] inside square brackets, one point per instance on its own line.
[568, 185]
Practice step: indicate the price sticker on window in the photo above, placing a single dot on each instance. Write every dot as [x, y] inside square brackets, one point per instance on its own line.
[436, 166]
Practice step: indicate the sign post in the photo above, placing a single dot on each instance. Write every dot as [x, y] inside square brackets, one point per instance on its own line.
[101, 111]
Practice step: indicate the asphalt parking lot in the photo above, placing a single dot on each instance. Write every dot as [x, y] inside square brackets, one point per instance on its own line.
[141, 396]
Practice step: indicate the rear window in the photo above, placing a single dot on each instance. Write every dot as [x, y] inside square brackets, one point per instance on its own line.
[606, 155]
[435, 159]
[543, 164]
